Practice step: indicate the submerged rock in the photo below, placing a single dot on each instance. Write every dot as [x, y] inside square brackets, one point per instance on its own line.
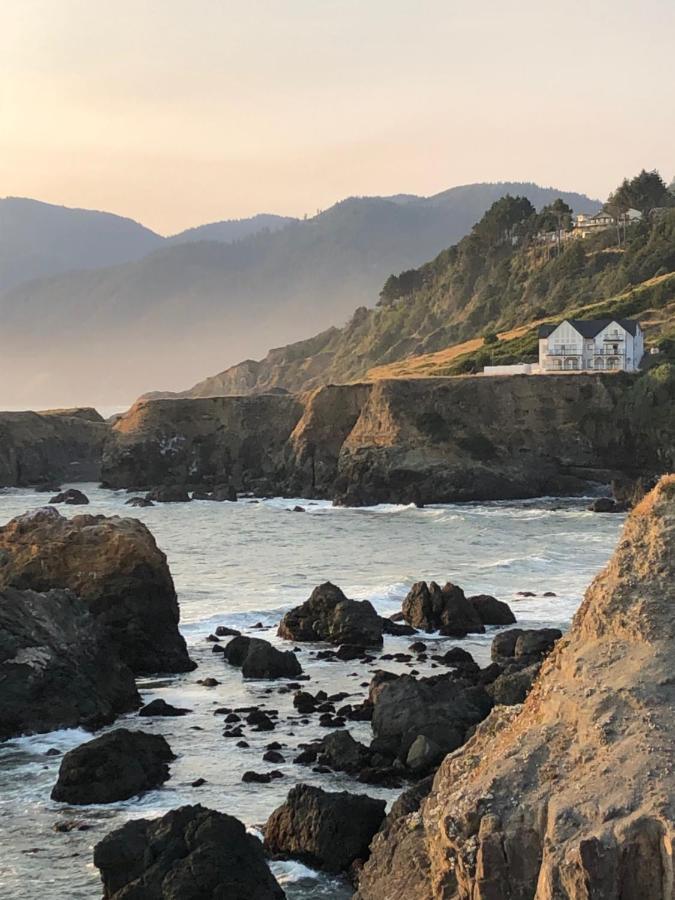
[168, 494]
[328, 831]
[432, 608]
[57, 668]
[71, 497]
[160, 707]
[191, 852]
[114, 565]
[330, 616]
[114, 766]
[572, 794]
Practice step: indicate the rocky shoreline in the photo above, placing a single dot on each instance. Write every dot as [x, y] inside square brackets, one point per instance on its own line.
[461, 717]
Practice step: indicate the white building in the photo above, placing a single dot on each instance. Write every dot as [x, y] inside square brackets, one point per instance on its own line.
[591, 345]
[585, 224]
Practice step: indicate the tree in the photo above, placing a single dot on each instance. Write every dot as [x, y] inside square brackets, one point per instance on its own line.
[490, 338]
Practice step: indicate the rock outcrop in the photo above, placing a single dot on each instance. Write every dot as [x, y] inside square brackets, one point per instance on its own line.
[571, 795]
[50, 447]
[330, 616]
[445, 609]
[57, 669]
[405, 440]
[114, 766]
[328, 831]
[114, 565]
[259, 659]
[189, 852]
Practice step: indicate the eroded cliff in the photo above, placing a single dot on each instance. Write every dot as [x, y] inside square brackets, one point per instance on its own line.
[406, 440]
[572, 795]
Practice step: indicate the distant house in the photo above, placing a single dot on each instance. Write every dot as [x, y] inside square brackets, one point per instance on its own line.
[585, 224]
[591, 345]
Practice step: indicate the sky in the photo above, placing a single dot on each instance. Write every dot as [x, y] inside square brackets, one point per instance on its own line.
[179, 112]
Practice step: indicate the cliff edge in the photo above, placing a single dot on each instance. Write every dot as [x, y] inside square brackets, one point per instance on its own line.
[572, 795]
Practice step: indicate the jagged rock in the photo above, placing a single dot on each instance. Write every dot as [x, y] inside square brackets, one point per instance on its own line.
[330, 616]
[510, 688]
[141, 502]
[327, 831]
[446, 609]
[341, 752]
[572, 794]
[72, 497]
[259, 659]
[114, 565]
[191, 852]
[57, 668]
[114, 766]
[606, 505]
[440, 708]
[492, 611]
[168, 494]
[160, 707]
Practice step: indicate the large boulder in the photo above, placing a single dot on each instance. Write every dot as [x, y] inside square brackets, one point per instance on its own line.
[524, 646]
[327, 831]
[57, 669]
[432, 608]
[191, 852]
[441, 708]
[114, 565]
[114, 766]
[259, 659]
[330, 616]
[571, 795]
[492, 611]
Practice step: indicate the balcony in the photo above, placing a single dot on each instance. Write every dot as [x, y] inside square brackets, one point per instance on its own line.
[565, 350]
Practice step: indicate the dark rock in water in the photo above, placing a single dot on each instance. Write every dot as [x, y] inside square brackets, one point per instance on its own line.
[273, 756]
[168, 494]
[259, 659]
[459, 659]
[208, 682]
[53, 751]
[224, 631]
[345, 652]
[298, 509]
[114, 565]
[222, 492]
[304, 702]
[257, 777]
[114, 766]
[328, 831]
[526, 645]
[71, 497]
[440, 708]
[418, 647]
[396, 629]
[492, 611]
[162, 708]
[64, 827]
[525, 594]
[342, 753]
[260, 721]
[606, 505]
[57, 668]
[330, 616]
[191, 852]
[446, 609]
[549, 594]
[199, 782]
[141, 502]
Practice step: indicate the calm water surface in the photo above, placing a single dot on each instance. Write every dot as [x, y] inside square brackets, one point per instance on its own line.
[244, 563]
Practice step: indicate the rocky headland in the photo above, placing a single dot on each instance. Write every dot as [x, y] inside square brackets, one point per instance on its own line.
[572, 794]
[50, 447]
[407, 440]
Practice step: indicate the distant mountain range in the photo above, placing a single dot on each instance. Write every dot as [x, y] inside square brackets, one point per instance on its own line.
[97, 308]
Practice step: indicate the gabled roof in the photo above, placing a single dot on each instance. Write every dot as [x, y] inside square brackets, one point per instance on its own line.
[589, 328]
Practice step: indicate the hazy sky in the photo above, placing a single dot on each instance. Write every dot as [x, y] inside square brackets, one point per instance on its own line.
[177, 112]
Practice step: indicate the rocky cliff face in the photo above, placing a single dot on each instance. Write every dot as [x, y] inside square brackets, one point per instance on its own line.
[419, 440]
[570, 796]
[58, 445]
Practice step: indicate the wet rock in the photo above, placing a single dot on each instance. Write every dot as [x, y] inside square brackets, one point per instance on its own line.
[524, 644]
[114, 565]
[162, 708]
[342, 753]
[168, 494]
[606, 505]
[330, 616]
[256, 777]
[224, 631]
[191, 852]
[57, 667]
[273, 756]
[298, 509]
[346, 652]
[492, 611]
[140, 502]
[304, 702]
[328, 831]
[424, 754]
[397, 629]
[71, 497]
[432, 608]
[418, 647]
[199, 782]
[259, 659]
[114, 766]
[208, 682]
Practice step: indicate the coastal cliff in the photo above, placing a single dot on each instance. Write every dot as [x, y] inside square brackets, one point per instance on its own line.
[406, 440]
[570, 795]
[57, 445]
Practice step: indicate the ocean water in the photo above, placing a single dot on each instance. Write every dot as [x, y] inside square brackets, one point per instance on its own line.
[242, 564]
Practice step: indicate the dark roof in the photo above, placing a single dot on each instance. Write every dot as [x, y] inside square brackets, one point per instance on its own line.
[588, 328]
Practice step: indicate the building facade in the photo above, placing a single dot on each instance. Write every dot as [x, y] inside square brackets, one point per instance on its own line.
[591, 345]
